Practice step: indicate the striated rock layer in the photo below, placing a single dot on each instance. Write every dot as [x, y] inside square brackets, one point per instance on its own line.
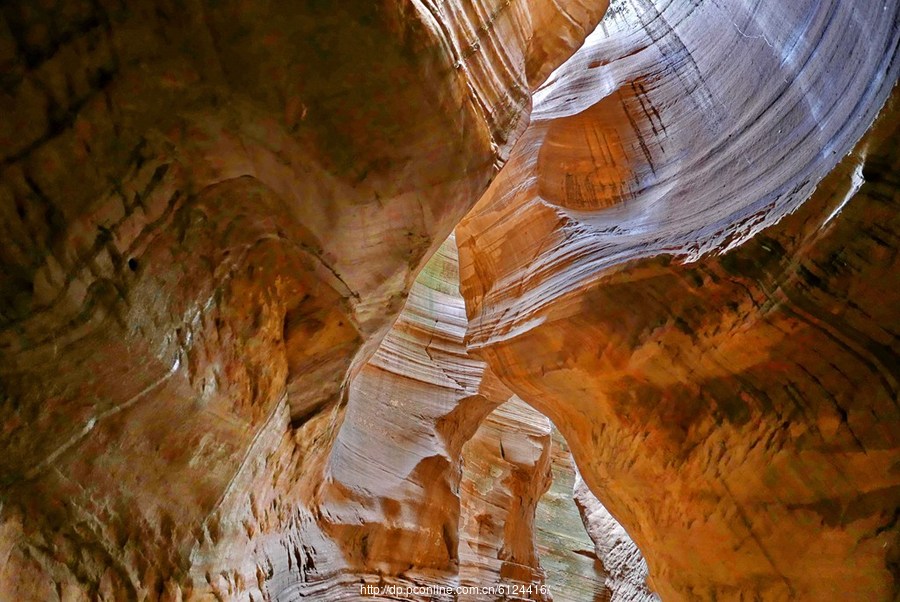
[212, 213]
[390, 499]
[225, 374]
[733, 401]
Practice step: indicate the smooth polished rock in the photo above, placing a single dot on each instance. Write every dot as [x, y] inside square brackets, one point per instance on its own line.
[212, 213]
[690, 265]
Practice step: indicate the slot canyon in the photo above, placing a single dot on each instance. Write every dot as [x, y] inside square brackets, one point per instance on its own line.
[572, 300]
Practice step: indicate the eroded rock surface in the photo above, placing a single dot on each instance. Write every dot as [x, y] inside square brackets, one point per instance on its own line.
[390, 499]
[212, 213]
[567, 553]
[624, 568]
[731, 400]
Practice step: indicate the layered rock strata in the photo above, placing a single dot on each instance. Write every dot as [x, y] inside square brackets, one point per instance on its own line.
[720, 352]
[390, 497]
[212, 214]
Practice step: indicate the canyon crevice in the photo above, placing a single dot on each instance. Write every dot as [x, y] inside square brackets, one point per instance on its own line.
[565, 299]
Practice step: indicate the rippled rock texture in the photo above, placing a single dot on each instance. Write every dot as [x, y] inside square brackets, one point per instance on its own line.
[721, 355]
[235, 364]
[390, 498]
[212, 213]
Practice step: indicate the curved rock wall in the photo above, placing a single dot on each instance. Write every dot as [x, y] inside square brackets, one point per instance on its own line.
[212, 213]
[564, 541]
[389, 500]
[624, 567]
[731, 400]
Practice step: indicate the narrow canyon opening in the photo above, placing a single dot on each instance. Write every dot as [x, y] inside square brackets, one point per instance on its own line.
[326, 301]
[528, 522]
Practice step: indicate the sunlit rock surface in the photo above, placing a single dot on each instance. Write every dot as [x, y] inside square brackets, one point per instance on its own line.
[211, 215]
[734, 405]
[506, 470]
[225, 374]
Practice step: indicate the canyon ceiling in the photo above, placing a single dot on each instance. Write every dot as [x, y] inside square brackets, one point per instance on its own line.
[301, 297]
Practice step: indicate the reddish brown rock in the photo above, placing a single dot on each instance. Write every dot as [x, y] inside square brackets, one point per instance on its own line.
[720, 352]
[211, 216]
[214, 213]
